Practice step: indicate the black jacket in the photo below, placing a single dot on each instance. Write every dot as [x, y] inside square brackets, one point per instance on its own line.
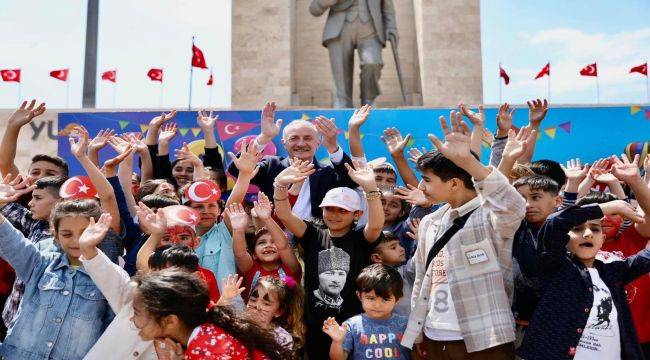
[325, 177]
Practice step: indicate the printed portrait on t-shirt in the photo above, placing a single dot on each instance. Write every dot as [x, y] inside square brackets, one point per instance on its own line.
[333, 268]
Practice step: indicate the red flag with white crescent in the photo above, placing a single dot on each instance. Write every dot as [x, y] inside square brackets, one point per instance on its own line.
[202, 191]
[589, 70]
[78, 187]
[60, 74]
[180, 215]
[546, 70]
[10, 75]
[504, 75]
[110, 75]
[210, 80]
[198, 60]
[228, 129]
[155, 74]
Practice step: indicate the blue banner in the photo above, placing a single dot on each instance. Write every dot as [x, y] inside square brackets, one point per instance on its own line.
[585, 132]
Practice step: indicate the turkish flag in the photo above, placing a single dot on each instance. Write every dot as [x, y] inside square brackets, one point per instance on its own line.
[641, 69]
[210, 80]
[78, 187]
[60, 74]
[589, 70]
[545, 71]
[198, 60]
[504, 75]
[10, 75]
[110, 75]
[155, 74]
[228, 129]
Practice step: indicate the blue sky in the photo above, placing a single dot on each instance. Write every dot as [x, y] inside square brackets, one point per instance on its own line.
[524, 35]
[44, 35]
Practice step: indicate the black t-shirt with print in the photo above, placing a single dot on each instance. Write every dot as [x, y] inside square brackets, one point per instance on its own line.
[340, 260]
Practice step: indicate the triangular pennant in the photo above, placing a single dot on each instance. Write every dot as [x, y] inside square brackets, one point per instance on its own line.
[566, 127]
[551, 132]
[647, 114]
[144, 128]
[183, 131]
[634, 109]
[229, 129]
[305, 117]
[485, 145]
[410, 142]
[347, 134]
[123, 124]
[539, 135]
[196, 131]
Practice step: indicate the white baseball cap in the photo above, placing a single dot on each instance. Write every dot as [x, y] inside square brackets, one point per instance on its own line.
[342, 197]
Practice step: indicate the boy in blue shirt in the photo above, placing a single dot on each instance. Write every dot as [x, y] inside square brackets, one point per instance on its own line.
[377, 332]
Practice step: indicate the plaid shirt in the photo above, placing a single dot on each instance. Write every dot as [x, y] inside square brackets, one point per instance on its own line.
[34, 230]
[482, 292]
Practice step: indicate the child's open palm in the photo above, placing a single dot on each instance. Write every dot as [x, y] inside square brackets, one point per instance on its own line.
[262, 208]
[230, 289]
[457, 139]
[95, 232]
[362, 175]
[298, 171]
[625, 170]
[150, 222]
[334, 330]
[11, 190]
[238, 217]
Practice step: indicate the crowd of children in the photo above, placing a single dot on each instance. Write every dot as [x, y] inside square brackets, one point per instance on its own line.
[519, 258]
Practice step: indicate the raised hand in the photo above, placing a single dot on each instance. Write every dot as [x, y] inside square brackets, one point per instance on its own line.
[394, 141]
[412, 195]
[270, 127]
[622, 208]
[158, 121]
[537, 112]
[238, 217]
[206, 120]
[574, 171]
[111, 164]
[334, 330]
[136, 141]
[477, 119]
[262, 208]
[364, 176]
[100, 140]
[12, 189]
[517, 144]
[167, 134]
[184, 153]
[298, 171]
[150, 222]
[246, 163]
[457, 139]
[504, 119]
[95, 232]
[487, 137]
[625, 170]
[414, 225]
[359, 116]
[79, 142]
[230, 289]
[415, 153]
[328, 130]
[25, 114]
[118, 144]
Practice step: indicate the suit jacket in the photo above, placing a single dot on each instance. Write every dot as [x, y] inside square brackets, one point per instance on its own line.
[325, 177]
[381, 11]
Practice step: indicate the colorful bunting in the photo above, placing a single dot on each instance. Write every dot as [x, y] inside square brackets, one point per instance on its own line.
[347, 134]
[183, 131]
[196, 131]
[144, 128]
[411, 142]
[566, 127]
[305, 117]
[485, 145]
[123, 124]
[551, 132]
[647, 114]
[634, 109]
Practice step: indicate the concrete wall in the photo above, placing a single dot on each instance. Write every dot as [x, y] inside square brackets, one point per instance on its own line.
[38, 137]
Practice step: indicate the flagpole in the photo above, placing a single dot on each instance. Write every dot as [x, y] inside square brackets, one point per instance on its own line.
[161, 94]
[210, 90]
[67, 90]
[115, 89]
[548, 82]
[647, 83]
[597, 91]
[20, 88]
[499, 79]
[189, 101]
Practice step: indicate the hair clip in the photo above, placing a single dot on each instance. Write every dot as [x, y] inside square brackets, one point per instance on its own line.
[291, 282]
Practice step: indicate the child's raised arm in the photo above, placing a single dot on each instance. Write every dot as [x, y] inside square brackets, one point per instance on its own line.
[298, 171]
[365, 177]
[357, 119]
[211, 157]
[79, 148]
[239, 222]
[153, 224]
[337, 333]
[246, 165]
[230, 289]
[23, 116]
[263, 209]
[396, 145]
[184, 153]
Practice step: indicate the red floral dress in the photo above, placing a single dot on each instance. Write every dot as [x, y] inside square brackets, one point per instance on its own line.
[213, 343]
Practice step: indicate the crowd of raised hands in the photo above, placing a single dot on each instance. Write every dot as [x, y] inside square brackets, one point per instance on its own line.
[286, 271]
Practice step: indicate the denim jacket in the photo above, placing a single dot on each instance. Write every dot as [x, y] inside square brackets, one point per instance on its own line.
[63, 313]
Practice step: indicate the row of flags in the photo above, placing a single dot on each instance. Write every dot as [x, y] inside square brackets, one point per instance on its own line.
[155, 74]
[589, 70]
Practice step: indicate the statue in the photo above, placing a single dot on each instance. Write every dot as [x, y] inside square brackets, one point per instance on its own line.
[362, 24]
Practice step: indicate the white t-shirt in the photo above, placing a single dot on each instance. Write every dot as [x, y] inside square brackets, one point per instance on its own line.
[441, 322]
[600, 338]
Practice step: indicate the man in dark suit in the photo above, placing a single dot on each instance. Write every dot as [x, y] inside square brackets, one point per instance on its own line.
[301, 139]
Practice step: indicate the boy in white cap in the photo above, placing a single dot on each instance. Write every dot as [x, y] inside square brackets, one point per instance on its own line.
[334, 256]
